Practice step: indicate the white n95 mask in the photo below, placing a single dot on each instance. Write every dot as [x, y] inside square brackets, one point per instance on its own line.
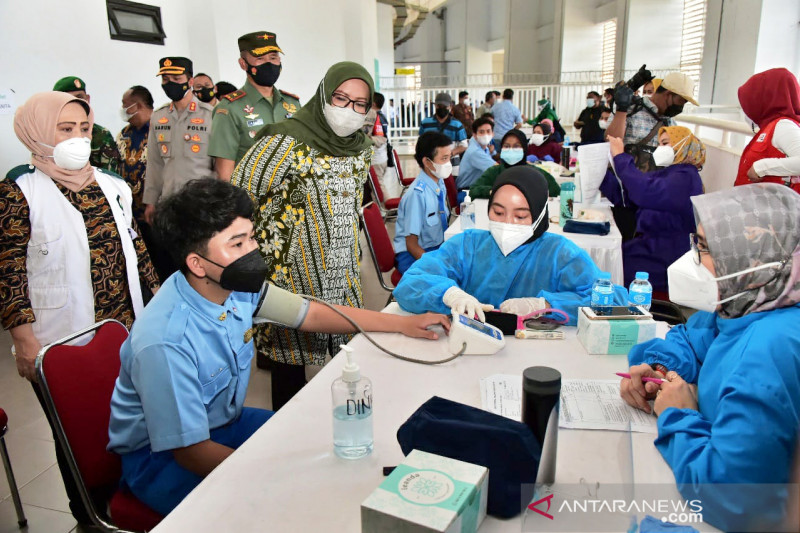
[509, 237]
[537, 139]
[695, 286]
[342, 120]
[443, 170]
[72, 154]
[483, 140]
[663, 156]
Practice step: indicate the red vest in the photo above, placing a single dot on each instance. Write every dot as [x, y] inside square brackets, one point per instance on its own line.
[760, 147]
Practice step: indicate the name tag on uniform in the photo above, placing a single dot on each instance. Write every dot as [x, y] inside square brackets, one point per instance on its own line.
[254, 123]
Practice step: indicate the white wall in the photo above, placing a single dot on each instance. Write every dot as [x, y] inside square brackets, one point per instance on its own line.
[583, 37]
[425, 45]
[779, 36]
[75, 41]
[654, 34]
[385, 40]
[534, 37]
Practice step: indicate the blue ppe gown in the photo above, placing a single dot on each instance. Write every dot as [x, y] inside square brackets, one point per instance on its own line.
[551, 267]
[733, 452]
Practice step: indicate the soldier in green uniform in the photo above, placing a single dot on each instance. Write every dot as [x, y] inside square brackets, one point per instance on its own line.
[239, 115]
[104, 148]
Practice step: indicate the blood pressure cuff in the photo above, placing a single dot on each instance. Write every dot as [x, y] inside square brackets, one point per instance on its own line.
[276, 305]
[589, 228]
[506, 447]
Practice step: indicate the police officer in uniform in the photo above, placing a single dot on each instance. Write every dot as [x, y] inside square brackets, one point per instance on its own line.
[177, 148]
[241, 114]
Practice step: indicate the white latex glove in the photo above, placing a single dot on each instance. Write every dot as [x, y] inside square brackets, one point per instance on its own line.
[464, 304]
[523, 306]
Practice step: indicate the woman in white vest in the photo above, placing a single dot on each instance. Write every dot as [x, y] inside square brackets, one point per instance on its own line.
[70, 254]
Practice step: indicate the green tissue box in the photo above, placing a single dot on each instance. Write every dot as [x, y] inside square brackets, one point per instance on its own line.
[613, 337]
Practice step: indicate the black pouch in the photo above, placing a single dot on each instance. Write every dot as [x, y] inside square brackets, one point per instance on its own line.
[506, 447]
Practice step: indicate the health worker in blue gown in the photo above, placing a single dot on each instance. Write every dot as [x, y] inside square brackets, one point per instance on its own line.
[729, 412]
[516, 265]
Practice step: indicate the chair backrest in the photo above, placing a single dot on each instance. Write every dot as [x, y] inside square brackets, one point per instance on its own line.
[397, 165]
[452, 193]
[77, 383]
[377, 237]
[376, 185]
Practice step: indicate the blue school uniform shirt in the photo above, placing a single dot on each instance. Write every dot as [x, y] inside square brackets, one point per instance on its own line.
[474, 162]
[451, 127]
[506, 115]
[184, 369]
[422, 212]
[741, 441]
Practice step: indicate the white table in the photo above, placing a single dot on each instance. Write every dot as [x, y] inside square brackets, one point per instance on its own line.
[605, 250]
[287, 478]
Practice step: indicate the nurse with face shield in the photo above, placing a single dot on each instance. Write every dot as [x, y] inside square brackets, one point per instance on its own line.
[516, 266]
[729, 410]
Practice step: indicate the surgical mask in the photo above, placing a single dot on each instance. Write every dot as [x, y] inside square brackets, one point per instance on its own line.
[590, 102]
[265, 74]
[603, 124]
[72, 154]
[483, 140]
[538, 139]
[124, 115]
[663, 156]
[512, 156]
[442, 171]
[442, 112]
[467, 101]
[342, 120]
[246, 274]
[509, 237]
[205, 94]
[695, 286]
[175, 91]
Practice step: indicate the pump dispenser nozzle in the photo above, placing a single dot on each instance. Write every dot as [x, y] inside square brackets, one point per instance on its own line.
[351, 371]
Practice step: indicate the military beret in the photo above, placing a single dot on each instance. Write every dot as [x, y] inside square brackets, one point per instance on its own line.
[69, 83]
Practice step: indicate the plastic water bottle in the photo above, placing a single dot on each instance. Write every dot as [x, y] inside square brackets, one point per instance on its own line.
[467, 211]
[602, 293]
[352, 411]
[641, 292]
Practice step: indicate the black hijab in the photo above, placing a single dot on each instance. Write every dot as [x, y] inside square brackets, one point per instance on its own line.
[533, 185]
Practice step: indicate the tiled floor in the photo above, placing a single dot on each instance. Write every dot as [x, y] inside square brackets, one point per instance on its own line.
[30, 442]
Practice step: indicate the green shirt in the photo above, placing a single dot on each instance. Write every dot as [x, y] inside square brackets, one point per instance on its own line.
[240, 115]
[483, 187]
[104, 149]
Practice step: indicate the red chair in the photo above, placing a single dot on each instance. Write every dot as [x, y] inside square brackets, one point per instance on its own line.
[405, 182]
[452, 195]
[77, 383]
[388, 205]
[12, 483]
[380, 245]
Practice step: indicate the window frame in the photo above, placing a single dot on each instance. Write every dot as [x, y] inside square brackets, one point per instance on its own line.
[135, 8]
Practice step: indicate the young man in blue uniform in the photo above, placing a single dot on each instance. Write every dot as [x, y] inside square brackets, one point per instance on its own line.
[177, 408]
[422, 214]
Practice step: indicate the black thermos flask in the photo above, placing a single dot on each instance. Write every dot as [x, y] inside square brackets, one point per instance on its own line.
[541, 392]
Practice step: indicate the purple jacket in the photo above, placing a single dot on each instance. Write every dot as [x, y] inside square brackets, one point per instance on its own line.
[664, 217]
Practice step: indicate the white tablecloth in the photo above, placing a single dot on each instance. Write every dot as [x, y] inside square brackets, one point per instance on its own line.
[605, 250]
[287, 478]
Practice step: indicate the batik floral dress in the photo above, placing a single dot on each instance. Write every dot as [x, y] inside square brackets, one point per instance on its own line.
[307, 227]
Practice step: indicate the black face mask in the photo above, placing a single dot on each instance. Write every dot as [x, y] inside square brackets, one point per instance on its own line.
[265, 74]
[246, 274]
[175, 91]
[442, 112]
[205, 94]
[673, 110]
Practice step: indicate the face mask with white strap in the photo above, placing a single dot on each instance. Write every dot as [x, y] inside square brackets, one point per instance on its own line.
[509, 237]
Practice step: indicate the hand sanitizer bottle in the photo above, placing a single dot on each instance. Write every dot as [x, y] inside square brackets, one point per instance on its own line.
[352, 411]
[467, 213]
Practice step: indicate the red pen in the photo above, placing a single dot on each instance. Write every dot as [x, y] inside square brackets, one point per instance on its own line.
[653, 380]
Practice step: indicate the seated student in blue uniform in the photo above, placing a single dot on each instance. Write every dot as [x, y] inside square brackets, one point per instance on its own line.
[517, 265]
[177, 408]
[729, 410]
[422, 214]
[478, 156]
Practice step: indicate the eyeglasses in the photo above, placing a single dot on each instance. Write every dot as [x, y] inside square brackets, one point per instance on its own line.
[340, 100]
[697, 247]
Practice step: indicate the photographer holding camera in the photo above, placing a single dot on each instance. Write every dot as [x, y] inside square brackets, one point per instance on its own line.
[637, 120]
